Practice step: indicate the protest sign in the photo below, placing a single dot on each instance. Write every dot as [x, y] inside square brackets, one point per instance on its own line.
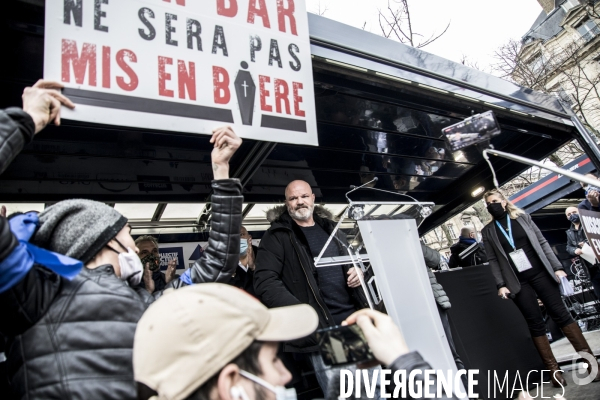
[591, 226]
[169, 253]
[186, 65]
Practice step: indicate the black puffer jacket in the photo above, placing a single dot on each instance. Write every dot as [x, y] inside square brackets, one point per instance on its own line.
[74, 339]
[432, 260]
[285, 271]
[16, 130]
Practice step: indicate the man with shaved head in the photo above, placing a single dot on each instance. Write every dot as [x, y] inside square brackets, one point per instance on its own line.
[576, 239]
[286, 275]
[467, 252]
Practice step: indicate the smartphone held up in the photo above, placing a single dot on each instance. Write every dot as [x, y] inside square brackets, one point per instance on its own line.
[343, 345]
[476, 129]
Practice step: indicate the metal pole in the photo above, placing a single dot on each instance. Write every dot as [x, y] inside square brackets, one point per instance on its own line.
[533, 163]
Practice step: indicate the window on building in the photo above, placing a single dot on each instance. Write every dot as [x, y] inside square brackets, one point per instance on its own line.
[588, 30]
[568, 4]
[451, 230]
[425, 240]
[537, 62]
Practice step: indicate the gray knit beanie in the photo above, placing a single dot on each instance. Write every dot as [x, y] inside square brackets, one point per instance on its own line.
[78, 228]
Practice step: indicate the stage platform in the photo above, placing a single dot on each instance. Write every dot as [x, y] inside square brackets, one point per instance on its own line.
[572, 391]
[564, 352]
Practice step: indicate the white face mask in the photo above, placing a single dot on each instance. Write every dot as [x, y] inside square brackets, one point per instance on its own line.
[281, 392]
[131, 267]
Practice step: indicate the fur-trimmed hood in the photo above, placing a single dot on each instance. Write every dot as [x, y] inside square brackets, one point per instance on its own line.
[274, 213]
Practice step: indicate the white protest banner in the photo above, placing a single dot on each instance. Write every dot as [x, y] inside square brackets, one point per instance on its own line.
[591, 226]
[186, 65]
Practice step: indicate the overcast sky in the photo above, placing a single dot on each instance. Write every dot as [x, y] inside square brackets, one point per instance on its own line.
[477, 27]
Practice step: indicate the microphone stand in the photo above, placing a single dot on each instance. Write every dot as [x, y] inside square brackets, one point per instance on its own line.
[355, 188]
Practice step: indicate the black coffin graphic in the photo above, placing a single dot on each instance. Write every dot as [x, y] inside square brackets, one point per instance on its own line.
[245, 89]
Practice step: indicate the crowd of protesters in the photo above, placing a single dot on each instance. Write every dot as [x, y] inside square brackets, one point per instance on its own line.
[84, 313]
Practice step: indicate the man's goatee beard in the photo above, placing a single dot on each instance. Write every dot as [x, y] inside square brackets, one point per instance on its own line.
[299, 214]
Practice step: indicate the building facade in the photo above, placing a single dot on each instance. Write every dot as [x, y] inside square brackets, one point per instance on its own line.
[560, 54]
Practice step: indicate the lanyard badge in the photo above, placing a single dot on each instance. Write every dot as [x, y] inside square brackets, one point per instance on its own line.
[518, 256]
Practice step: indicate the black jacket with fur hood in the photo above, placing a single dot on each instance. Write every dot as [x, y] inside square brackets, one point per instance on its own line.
[285, 273]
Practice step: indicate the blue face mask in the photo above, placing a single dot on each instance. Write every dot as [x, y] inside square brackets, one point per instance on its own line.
[243, 246]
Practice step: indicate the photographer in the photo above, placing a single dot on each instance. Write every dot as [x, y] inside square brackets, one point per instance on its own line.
[67, 304]
[236, 356]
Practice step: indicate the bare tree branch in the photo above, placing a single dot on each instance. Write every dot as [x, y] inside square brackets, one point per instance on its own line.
[396, 20]
[321, 10]
[432, 38]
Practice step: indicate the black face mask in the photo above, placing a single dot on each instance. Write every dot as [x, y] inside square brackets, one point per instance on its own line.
[153, 260]
[496, 210]
[574, 218]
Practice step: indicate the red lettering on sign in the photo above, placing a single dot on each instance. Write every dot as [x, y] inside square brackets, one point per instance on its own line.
[283, 12]
[282, 96]
[106, 67]
[264, 93]
[164, 76]
[185, 80]
[298, 99]
[133, 78]
[225, 11]
[80, 63]
[179, 2]
[260, 11]
[221, 85]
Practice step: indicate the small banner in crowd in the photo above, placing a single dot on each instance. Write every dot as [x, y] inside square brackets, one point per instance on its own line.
[169, 253]
[591, 225]
[186, 65]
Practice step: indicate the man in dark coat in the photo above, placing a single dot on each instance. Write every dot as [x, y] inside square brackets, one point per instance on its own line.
[575, 241]
[67, 304]
[285, 272]
[467, 252]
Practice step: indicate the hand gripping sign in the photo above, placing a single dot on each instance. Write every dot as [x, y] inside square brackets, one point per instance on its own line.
[186, 65]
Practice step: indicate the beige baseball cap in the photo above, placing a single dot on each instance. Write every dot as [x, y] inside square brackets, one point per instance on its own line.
[190, 334]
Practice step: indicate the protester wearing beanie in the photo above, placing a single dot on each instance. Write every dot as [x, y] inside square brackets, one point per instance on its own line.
[67, 303]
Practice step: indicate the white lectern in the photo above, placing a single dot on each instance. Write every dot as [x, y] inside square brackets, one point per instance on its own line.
[388, 242]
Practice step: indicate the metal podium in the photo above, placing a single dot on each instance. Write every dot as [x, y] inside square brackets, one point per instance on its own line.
[381, 239]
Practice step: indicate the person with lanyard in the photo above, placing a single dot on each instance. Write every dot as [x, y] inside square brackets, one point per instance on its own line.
[525, 269]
